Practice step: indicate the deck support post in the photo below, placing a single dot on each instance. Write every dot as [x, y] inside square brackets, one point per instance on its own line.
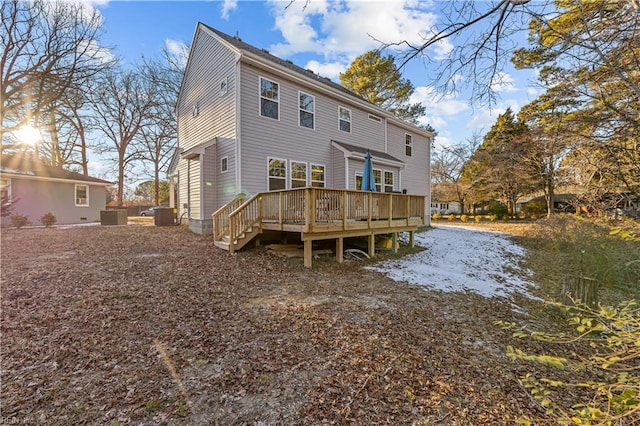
[412, 241]
[308, 253]
[340, 249]
[372, 245]
[394, 241]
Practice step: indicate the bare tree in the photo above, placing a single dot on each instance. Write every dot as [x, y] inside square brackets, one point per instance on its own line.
[123, 104]
[447, 169]
[158, 139]
[48, 49]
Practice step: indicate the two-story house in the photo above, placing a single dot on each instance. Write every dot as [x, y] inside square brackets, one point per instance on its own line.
[250, 122]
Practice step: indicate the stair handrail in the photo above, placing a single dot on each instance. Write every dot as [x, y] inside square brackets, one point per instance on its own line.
[221, 217]
[243, 218]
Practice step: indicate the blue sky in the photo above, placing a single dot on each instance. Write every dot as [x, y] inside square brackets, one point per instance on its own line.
[325, 36]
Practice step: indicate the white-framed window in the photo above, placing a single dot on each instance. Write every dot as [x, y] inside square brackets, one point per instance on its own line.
[344, 118]
[388, 181]
[269, 98]
[298, 174]
[377, 177]
[5, 190]
[307, 104]
[318, 175]
[358, 181]
[375, 118]
[195, 109]
[408, 145]
[277, 174]
[224, 86]
[224, 164]
[82, 195]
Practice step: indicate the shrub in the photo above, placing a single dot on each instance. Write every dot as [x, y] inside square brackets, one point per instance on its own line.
[48, 219]
[478, 218]
[436, 216]
[464, 218]
[19, 220]
[613, 369]
[534, 208]
[451, 217]
[492, 217]
[497, 208]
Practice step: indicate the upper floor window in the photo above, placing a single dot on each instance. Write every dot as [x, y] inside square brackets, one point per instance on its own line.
[224, 85]
[408, 145]
[224, 164]
[82, 195]
[307, 110]
[269, 98]
[318, 175]
[298, 174]
[344, 115]
[277, 174]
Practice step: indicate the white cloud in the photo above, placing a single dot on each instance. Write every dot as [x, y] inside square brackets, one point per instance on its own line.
[228, 6]
[503, 82]
[328, 69]
[178, 50]
[347, 28]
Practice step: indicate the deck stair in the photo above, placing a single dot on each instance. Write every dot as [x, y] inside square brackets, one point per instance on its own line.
[318, 214]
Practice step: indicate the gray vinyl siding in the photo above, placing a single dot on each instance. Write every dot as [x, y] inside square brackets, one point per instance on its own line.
[415, 176]
[38, 197]
[211, 62]
[209, 182]
[338, 167]
[226, 185]
[193, 188]
[283, 138]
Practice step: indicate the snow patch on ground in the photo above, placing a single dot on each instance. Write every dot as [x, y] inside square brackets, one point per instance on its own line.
[462, 259]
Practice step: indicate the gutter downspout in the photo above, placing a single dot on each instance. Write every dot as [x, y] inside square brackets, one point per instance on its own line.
[238, 108]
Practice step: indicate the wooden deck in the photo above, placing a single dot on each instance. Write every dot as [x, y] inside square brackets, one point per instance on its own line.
[318, 214]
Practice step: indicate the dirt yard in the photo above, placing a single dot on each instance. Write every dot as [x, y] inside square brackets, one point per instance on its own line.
[149, 325]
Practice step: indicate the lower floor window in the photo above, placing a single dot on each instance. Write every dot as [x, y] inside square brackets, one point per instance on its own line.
[388, 181]
[277, 174]
[82, 195]
[5, 190]
[317, 175]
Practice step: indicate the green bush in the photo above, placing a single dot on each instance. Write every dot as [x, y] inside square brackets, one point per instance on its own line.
[535, 208]
[477, 218]
[497, 208]
[48, 219]
[19, 220]
[464, 218]
[613, 379]
[451, 217]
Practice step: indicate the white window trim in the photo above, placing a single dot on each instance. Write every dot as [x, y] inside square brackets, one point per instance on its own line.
[260, 98]
[300, 110]
[381, 179]
[350, 119]
[406, 144]
[222, 169]
[286, 172]
[224, 86]
[9, 189]
[306, 177]
[375, 118]
[393, 180]
[324, 167]
[75, 195]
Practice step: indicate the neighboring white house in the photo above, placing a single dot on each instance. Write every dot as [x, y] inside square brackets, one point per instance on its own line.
[250, 122]
[35, 189]
[449, 207]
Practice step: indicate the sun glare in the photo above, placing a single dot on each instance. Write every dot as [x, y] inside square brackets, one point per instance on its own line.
[28, 135]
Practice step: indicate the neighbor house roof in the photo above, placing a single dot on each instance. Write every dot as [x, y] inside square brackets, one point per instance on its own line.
[266, 57]
[27, 167]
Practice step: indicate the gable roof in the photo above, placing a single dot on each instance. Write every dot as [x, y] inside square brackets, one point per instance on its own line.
[30, 168]
[266, 57]
[358, 152]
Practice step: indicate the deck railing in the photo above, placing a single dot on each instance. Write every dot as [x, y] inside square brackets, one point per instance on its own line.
[331, 207]
[221, 217]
